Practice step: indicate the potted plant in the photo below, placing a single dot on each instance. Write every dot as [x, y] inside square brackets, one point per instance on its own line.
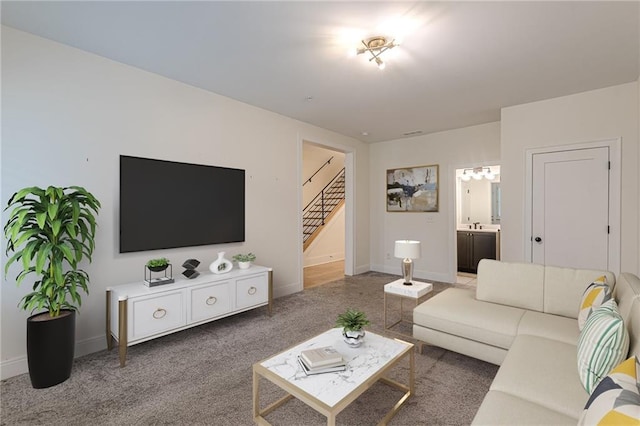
[158, 265]
[50, 231]
[244, 260]
[352, 322]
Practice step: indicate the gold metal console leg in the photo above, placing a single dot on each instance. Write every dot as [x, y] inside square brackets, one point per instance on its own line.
[270, 307]
[108, 325]
[122, 331]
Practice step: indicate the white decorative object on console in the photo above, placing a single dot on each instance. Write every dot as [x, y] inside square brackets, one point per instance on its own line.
[137, 313]
[221, 265]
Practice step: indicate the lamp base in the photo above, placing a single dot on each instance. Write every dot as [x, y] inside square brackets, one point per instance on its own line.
[407, 271]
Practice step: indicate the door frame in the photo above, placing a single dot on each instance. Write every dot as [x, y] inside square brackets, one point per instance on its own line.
[349, 205]
[615, 190]
[454, 205]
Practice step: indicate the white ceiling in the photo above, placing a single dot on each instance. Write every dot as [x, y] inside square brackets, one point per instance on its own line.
[458, 64]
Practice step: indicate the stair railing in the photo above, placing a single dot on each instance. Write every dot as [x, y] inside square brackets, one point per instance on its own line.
[326, 163]
[315, 213]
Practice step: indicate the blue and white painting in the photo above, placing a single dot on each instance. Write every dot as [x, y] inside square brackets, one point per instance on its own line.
[413, 189]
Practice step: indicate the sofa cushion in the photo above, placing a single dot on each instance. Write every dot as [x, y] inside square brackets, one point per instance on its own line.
[499, 408]
[554, 327]
[603, 343]
[595, 295]
[542, 371]
[563, 288]
[456, 311]
[616, 399]
[513, 284]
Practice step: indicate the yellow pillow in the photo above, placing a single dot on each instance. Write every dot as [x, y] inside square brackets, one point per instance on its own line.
[595, 295]
[616, 399]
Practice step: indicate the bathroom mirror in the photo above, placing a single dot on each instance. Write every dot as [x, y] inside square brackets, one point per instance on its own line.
[480, 199]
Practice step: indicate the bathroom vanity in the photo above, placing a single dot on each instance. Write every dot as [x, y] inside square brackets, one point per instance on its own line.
[476, 244]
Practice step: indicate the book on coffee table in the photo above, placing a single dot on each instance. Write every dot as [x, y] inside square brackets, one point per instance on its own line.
[320, 370]
[325, 356]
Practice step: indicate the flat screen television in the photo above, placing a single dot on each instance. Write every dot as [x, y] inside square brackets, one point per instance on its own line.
[166, 204]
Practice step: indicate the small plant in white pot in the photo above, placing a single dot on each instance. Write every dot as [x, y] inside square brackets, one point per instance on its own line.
[352, 322]
[244, 260]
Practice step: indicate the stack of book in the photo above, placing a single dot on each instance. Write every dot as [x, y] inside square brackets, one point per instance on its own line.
[321, 360]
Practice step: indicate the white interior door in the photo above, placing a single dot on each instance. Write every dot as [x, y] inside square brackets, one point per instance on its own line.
[570, 208]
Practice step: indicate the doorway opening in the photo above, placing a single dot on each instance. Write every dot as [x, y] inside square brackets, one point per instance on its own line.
[478, 206]
[324, 213]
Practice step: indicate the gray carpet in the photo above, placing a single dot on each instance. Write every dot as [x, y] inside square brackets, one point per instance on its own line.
[202, 376]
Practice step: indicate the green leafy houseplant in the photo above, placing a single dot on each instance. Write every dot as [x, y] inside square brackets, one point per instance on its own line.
[352, 320]
[158, 264]
[249, 257]
[50, 231]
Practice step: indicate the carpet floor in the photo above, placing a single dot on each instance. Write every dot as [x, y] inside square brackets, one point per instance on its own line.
[202, 376]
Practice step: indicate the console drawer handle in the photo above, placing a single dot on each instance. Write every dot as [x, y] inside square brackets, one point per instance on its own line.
[211, 300]
[252, 290]
[159, 313]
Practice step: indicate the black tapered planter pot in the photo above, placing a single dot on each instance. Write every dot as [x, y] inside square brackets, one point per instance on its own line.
[50, 348]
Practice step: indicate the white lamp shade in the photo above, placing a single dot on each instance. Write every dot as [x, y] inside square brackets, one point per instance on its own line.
[407, 249]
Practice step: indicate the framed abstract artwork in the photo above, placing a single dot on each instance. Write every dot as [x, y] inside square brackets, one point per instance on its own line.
[413, 189]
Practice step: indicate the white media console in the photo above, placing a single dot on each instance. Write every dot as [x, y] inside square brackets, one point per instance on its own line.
[137, 313]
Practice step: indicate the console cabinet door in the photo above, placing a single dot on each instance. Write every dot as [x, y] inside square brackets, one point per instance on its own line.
[252, 291]
[210, 301]
[156, 314]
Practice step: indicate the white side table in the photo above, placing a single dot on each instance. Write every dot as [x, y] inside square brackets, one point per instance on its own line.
[416, 292]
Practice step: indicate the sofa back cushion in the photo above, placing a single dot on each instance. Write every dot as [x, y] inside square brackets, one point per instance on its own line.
[513, 284]
[564, 287]
[627, 294]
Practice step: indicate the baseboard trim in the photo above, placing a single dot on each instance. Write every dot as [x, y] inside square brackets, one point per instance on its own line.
[417, 274]
[286, 290]
[13, 367]
[19, 365]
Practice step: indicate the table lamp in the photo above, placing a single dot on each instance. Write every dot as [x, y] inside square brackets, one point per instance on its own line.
[407, 250]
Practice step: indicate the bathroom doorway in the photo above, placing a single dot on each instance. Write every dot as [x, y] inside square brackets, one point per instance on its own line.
[478, 214]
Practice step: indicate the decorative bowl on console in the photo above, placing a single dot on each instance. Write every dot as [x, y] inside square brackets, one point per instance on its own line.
[158, 265]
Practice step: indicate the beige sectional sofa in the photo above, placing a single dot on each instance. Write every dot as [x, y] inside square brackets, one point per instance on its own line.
[523, 317]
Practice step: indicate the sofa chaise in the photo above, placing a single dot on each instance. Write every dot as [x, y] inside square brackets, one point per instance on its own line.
[524, 317]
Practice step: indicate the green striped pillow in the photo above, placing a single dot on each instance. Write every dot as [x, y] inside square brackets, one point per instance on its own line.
[603, 344]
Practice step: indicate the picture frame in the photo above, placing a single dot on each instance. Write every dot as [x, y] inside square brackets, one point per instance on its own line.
[413, 189]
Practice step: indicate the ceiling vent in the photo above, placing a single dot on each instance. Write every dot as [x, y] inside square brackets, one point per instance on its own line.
[413, 133]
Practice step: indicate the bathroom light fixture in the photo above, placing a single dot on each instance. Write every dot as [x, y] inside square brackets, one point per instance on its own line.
[477, 173]
[376, 46]
[407, 250]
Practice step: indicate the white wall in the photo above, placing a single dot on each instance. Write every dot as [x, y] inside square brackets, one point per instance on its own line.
[67, 115]
[606, 113]
[459, 148]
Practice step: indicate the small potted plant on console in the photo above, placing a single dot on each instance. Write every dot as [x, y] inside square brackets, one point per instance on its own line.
[244, 260]
[158, 265]
[352, 322]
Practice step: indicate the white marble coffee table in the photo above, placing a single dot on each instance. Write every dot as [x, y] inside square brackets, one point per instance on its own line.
[330, 393]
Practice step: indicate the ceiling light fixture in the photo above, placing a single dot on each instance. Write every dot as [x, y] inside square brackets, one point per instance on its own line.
[376, 46]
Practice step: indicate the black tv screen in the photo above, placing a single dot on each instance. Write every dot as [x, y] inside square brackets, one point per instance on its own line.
[165, 204]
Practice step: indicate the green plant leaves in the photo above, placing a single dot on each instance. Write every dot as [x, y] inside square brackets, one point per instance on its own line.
[352, 320]
[50, 231]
